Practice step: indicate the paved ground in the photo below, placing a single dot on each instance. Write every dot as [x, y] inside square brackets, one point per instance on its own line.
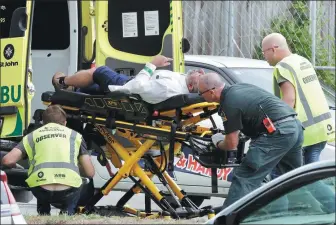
[112, 199]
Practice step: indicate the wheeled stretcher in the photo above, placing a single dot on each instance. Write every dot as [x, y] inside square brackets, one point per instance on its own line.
[164, 127]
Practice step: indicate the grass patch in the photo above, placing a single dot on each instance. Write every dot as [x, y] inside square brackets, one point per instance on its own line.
[97, 219]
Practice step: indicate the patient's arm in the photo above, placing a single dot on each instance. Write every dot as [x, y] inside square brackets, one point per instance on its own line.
[138, 84]
[142, 78]
[151, 90]
[148, 70]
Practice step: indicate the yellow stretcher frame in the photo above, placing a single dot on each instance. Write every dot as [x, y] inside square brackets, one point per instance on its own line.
[148, 136]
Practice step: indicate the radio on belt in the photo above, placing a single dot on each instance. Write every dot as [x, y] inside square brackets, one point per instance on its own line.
[268, 122]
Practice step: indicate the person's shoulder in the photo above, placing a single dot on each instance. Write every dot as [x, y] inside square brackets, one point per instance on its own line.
[227, 93]
[293, 58]
[71, 131]
[299, 56]
[240, 87]
[239, 90]
[75, 132]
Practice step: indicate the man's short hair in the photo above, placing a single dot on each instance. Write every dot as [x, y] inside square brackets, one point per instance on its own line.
[54, 114]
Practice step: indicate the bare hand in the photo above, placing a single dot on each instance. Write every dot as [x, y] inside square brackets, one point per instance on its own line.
[161, 61]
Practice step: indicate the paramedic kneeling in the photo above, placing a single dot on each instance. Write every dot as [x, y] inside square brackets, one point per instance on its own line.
[247, 108]
[53, 151]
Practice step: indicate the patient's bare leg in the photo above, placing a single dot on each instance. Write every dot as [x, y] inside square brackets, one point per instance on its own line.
[82, 78]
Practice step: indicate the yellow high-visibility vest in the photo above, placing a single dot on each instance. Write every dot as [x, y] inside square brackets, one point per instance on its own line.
[310, 102]
[52, 151]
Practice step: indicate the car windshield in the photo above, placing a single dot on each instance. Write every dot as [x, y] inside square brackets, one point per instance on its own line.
[263, 77]
[311, 204]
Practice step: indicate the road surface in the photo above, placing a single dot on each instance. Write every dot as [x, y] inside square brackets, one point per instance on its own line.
[138, 202]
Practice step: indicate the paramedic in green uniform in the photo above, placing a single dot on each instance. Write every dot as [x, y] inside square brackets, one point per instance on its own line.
[243, 108]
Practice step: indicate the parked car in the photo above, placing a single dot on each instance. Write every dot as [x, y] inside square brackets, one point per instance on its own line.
[10, 212]
[296, 197]
[189, 174]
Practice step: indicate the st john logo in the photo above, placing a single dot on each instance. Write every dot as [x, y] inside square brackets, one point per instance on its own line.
[8, 53]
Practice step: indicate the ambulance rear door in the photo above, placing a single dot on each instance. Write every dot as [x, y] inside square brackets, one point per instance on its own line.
[129, 33]
[15, 97]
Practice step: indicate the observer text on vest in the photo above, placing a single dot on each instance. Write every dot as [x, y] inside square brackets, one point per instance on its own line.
[50, 136]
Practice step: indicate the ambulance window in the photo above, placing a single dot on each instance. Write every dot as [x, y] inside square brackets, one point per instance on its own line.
[7, 7]
[126, 32]
[51, 25]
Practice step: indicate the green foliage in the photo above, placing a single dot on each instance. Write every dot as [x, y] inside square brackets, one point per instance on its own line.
[296, 31]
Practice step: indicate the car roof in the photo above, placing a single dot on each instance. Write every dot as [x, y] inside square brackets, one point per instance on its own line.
[263, 188]
[229, 62]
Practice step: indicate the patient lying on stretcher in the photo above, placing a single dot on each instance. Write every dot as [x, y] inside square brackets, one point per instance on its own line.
[152, 85]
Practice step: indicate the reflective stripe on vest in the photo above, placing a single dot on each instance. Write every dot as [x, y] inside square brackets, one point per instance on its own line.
[71, 165]
[277, 91]
[310, 119]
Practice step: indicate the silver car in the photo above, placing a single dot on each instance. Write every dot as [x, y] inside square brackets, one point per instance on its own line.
[189, 174]
[305, 195]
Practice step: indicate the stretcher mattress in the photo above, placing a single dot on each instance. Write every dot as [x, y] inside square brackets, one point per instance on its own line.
[118, 101]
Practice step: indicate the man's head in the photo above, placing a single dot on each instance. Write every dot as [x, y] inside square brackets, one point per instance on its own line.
[192, 79]
[274, 47]
[210, 87]
[54, 114]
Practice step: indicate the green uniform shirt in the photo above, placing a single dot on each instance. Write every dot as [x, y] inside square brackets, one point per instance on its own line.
[239, 108]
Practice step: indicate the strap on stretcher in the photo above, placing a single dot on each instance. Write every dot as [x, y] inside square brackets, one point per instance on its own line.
[171, 147]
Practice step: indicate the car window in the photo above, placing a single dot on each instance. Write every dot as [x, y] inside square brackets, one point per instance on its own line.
[313, 203]
[261, 77]
[4, 197]
[206, 70]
